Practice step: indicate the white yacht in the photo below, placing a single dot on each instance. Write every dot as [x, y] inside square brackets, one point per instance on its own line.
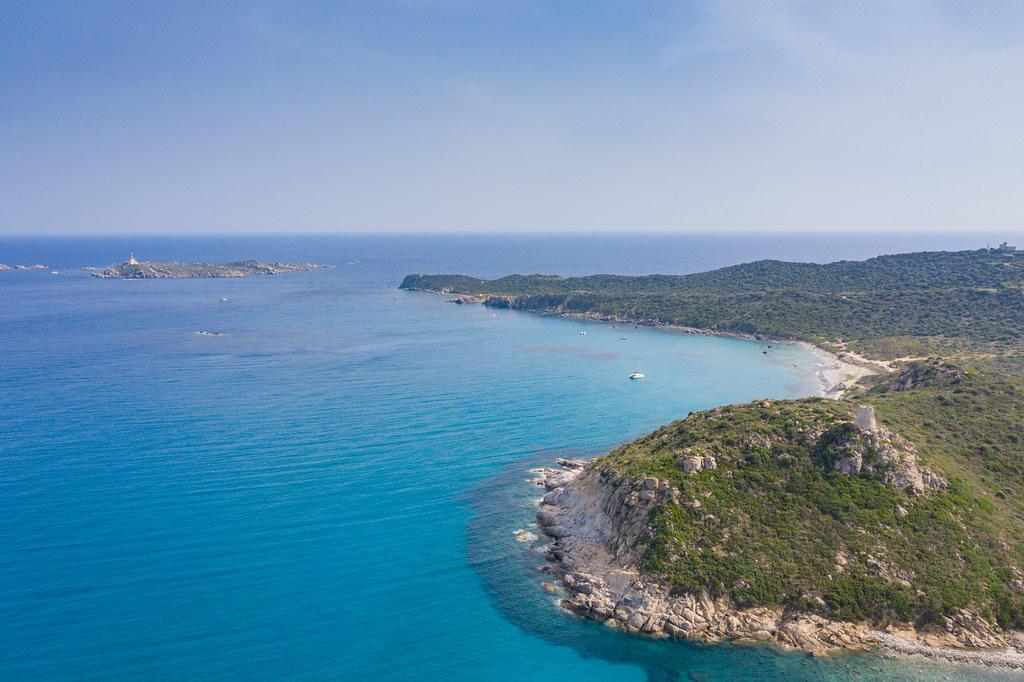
[637, 375]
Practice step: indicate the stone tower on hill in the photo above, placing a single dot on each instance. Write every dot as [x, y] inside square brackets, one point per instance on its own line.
[866, 418]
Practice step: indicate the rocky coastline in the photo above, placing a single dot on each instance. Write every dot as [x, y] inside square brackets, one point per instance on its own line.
[597, 524]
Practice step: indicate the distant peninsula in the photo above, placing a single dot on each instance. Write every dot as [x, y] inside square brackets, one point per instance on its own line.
[136, 269]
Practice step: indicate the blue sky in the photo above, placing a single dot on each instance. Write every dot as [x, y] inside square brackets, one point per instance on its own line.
[452, 115]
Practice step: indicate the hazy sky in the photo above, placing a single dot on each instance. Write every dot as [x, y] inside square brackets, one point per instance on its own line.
[423, 115]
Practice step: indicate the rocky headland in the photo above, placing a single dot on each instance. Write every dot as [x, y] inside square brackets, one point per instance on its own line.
[599, 524]
[816, 525]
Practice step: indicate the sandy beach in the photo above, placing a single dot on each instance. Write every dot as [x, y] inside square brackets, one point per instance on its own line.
[836, 374]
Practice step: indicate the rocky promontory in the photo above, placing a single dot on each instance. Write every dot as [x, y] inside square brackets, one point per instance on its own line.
[598, 524]
[798, 523]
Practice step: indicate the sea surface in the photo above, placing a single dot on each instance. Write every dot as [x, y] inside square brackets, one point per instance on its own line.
[329, 488]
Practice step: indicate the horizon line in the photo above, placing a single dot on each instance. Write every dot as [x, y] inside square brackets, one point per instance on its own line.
[531, 233]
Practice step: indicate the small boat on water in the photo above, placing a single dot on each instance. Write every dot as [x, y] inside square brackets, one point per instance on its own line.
[203, 332]
[583, 333]
[223, 299]
[637, 375]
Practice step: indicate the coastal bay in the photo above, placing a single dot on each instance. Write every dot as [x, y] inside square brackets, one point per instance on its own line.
[640, 551]
[496, 341]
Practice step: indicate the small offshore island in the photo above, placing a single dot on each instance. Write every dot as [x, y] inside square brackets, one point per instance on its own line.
[37, 266]
[135, 269]
[890, 516]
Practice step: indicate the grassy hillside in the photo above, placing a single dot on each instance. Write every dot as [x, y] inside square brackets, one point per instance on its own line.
[775, 523]
[967, 304]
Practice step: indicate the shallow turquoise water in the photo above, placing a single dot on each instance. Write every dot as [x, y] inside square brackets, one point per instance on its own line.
[329, 489]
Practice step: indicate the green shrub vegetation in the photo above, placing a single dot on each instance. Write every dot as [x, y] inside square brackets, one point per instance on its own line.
[775, 523]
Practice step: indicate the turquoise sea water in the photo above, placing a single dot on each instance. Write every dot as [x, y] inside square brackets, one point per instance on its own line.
[329, 489]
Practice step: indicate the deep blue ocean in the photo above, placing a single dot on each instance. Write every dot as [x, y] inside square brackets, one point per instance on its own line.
[328, 490]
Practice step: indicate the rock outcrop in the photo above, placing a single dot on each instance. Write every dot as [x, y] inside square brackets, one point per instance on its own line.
[600, 526]
[691, 463]
[879, 451]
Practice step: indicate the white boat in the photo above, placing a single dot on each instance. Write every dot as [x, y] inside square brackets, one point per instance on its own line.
[583, 333]
[637, 375]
